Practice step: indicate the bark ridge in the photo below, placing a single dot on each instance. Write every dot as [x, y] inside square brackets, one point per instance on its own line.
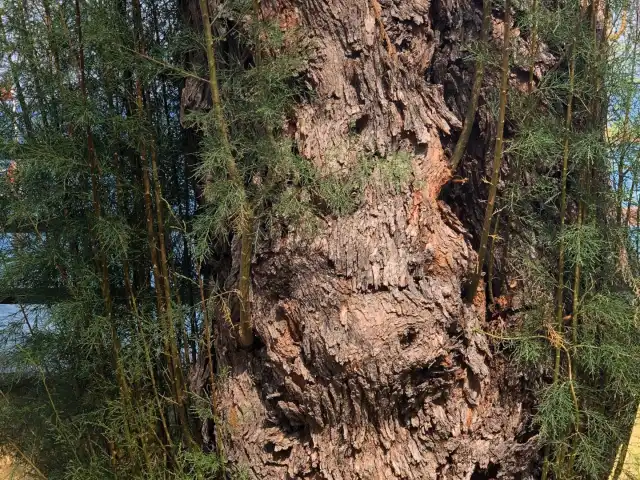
[371, 366]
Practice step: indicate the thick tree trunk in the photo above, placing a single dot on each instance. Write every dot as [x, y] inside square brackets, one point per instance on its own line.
[370, 365]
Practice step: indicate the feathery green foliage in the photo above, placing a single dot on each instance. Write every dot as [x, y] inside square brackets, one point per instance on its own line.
[114, 205]
[584, 336]
[93, 382]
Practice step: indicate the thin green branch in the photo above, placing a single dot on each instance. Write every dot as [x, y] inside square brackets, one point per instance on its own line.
[245, 219]
[461, 145]
[497, 156]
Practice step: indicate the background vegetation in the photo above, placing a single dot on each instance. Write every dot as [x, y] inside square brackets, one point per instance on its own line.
[567, 225]
[118, 204]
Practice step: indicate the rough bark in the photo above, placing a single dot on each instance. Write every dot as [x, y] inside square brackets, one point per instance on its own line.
[370, 365]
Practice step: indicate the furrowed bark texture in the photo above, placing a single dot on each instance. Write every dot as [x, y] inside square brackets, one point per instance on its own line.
[369, 364]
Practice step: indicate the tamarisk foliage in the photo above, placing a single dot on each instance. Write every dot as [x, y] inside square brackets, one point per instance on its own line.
[117, 199]
[573, 241]
[98, 180]
[108, 216]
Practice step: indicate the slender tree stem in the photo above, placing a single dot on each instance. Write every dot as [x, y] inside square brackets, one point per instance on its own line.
[496, 224]
[559, 296]
[209, 346]
[461, 145]
[102, 260]
[168, 339]
[245, 222]
[175, 355]
[131, 299]
[574, 328]
[157, 242]
[497, 157]
[625, 136]
[28, 460]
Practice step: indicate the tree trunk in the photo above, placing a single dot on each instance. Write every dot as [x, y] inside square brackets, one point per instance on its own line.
[369, 363]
